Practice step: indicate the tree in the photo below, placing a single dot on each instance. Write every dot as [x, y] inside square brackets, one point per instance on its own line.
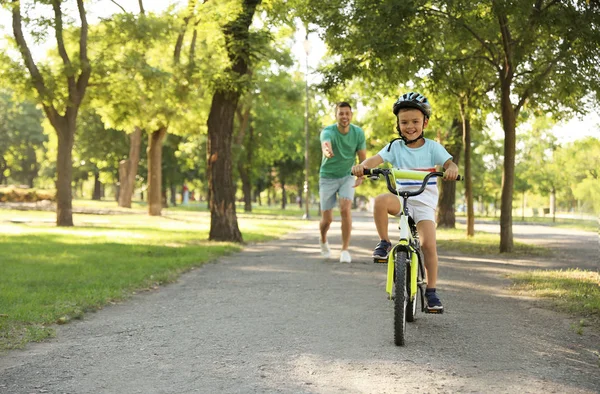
[537, 53]
[224, 225]
[21, 137]
[61, 107]
[143, 91]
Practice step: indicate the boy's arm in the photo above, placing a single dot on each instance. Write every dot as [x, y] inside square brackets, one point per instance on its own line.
[451, 172]
[371, 162]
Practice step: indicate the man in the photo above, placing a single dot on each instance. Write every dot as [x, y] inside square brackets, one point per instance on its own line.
[340, 143]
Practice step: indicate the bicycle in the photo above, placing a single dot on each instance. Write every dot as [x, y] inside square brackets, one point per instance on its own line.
[406, 281]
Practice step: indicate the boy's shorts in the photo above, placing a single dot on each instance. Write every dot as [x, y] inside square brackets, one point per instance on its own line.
[329, 188]
[419, 211]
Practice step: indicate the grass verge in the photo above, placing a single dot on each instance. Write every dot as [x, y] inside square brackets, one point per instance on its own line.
[484, 244]
[573, 291]
[55, 274]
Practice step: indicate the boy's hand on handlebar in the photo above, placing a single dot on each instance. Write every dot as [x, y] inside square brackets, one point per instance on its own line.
[359, 170]
[451, 173]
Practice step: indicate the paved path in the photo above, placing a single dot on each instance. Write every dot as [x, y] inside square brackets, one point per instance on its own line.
[276, 318]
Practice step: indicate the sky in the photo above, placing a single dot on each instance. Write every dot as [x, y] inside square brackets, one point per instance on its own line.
[565, 132]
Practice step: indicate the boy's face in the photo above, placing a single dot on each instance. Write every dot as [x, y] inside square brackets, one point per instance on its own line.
[343, 115]
[412, 122]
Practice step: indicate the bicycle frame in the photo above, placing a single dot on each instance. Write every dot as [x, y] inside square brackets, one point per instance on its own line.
[406, 240]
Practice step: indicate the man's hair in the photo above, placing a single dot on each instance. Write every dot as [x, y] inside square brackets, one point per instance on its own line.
[342, 104]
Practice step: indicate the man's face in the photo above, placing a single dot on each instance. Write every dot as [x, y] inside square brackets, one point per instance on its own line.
[343, 116]
[412, 122]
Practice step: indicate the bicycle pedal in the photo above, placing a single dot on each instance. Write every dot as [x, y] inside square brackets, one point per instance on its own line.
[434, 311]
[378, 260]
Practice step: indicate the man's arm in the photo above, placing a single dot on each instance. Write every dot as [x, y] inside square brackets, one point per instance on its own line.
[362, 155]
[327, 149]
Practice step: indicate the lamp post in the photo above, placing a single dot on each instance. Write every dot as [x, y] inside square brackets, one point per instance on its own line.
[306, 134]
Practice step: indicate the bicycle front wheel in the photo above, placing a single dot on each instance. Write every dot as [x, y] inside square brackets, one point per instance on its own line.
[401, 297]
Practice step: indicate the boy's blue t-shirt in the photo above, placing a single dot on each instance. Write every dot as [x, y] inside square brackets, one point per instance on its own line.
[344, 147]
[423, 158]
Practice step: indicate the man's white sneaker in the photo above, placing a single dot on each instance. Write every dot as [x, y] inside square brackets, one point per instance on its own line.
[325, 251]
[345, 257]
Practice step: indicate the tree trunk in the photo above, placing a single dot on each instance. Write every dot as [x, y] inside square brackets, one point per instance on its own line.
[283, 194]
[446, 217]
[3, 167]
[128, 169]
[508, 175]
[96, 196]
[173, 192]
[155, 141]
[64, 171]
[224, 225]
[245, 171]
[468, 178]
[246, 185]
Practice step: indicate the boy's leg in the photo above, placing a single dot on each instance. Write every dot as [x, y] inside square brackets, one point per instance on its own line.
[427, 236]
[385, 204]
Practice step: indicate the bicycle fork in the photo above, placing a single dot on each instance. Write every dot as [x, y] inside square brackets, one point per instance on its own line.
[414, 268]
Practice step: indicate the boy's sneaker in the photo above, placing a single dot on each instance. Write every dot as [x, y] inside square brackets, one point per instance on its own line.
[382, 249]
[325, 251]
[434, 305]
[345, 257]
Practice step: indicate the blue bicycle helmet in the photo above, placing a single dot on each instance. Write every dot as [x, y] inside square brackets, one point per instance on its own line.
[413, 100]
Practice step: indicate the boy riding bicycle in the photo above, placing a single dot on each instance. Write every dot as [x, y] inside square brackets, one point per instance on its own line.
[412, 151]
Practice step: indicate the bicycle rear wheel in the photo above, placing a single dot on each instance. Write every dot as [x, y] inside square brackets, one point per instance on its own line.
[400, 297]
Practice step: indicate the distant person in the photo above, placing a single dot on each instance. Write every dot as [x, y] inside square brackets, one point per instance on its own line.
[340, 143]
[186, 195]
[413, 152]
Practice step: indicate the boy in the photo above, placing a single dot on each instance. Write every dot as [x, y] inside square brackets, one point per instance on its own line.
[412, 151]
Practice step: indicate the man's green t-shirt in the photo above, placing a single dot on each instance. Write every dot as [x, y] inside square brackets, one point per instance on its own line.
[344, 148]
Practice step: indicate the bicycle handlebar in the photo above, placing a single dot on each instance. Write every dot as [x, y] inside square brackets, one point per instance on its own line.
[406, 174]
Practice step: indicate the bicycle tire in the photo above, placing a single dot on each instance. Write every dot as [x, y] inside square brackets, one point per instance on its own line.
[400, 297]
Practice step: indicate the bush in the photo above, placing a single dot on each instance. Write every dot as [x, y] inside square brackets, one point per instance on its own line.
[18, 194]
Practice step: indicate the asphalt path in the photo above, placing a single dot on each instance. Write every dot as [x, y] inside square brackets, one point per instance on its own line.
[277, 318]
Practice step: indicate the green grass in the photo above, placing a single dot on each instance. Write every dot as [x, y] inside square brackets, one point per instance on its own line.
[51, 275]
[574, 291]
[54, 274]
[483, 244]
[577, 224]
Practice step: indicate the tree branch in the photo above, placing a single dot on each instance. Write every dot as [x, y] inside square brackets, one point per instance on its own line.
[191, 7]
[118, 5]
[530, 88]
[58, 30]
[506, 43]
[86, 68]
[36, 76]
[485, 45]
